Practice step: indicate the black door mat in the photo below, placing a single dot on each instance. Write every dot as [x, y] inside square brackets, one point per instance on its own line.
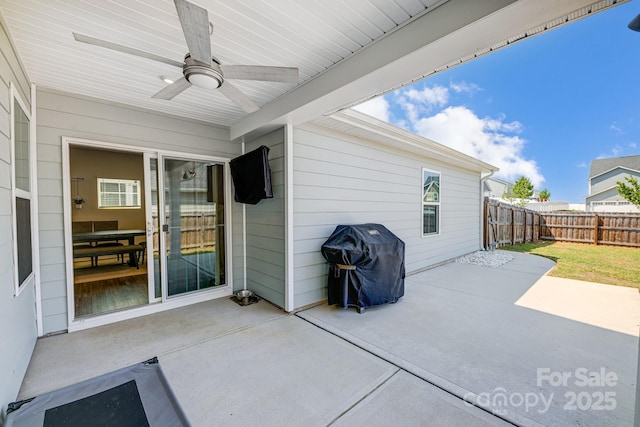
[136, 396]
[119, 406]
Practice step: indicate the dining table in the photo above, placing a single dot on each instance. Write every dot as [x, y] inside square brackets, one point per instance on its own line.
[92, 237]
[107, 235]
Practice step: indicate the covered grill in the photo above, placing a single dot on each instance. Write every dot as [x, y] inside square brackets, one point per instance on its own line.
[366, 266]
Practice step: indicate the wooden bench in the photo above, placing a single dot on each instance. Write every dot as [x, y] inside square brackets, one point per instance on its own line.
[134, 252]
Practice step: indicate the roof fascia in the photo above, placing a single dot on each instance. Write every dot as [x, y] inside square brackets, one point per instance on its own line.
[601, 192]
[408, 140]
[612, 169]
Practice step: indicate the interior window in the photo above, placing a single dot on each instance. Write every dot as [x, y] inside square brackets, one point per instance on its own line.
[430, 202]
[118, 193]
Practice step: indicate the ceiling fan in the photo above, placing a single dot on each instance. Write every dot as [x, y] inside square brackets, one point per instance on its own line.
[200, 68]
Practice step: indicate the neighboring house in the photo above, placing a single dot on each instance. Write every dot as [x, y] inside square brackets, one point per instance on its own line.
[603, 176]
[328, 168]
[431, 189]
[554, 206]
[495, 188]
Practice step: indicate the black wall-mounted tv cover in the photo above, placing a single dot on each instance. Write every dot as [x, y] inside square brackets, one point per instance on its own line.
[251, 176]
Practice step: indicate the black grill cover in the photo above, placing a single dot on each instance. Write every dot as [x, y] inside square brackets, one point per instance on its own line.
[366, 266]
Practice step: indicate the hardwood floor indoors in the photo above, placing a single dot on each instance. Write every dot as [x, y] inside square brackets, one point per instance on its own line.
[108, 287]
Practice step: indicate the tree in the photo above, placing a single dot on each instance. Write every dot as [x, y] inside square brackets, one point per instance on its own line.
[544, 195]
[508, 196]
[630, 192]
[522, 189]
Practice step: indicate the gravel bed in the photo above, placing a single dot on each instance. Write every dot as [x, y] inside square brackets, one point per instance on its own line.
[491, 259]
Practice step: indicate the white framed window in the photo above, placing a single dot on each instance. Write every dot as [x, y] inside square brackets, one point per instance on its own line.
[431, 196]
[118, 193]
[22, 160]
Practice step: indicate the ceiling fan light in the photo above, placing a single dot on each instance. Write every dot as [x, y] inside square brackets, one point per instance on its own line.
[202, 75]
[204, 80]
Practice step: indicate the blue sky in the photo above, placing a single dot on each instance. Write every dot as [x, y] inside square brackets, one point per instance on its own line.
[543, 108]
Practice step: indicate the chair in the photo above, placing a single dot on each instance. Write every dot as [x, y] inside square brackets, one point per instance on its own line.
[107, 226]
[143, 252]
[82, 227]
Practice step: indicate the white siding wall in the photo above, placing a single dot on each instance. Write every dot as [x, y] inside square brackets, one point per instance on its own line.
[265, 228]
[340, 179]
[610, 194]
[17, 313]
[607, 181]
[62, 114]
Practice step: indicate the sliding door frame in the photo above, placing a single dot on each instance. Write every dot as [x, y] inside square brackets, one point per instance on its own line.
[154, 305]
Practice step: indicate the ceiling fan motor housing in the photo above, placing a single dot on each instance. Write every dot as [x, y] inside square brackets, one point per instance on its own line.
[202, 75]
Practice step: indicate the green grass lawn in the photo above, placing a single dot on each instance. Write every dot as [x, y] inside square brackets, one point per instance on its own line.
[613, 265]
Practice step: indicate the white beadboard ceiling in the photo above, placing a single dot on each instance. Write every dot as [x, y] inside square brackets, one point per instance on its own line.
[323, 38]
[312, 35]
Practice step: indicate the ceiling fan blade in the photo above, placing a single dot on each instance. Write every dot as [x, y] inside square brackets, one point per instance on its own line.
[261, 73]
[125, 49]
[195, 26]
[635, 24]
[173, 89]
[235, 95]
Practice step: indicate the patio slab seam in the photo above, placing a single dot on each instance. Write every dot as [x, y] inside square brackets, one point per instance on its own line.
[358, 397]
[442, 384]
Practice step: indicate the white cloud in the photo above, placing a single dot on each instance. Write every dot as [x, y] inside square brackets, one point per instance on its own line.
[464, 87]
[376, 107]
[489, 139]
[416, 103]
[581, 165]
[616, 151]
[435, 96]
[616, 129]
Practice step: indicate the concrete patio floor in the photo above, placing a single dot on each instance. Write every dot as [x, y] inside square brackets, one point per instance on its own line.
[456, 335]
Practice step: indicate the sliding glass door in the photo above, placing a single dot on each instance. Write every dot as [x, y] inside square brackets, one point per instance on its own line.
[192, 226]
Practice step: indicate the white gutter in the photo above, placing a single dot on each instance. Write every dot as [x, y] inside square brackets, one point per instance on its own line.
[482, 181]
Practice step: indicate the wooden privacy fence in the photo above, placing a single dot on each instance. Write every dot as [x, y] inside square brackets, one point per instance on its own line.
[506, 224]
[509, 225]
[598, 228]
